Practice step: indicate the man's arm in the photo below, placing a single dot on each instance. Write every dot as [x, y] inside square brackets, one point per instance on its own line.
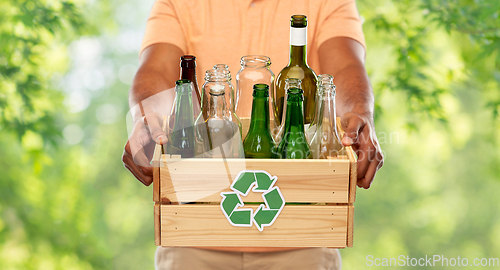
[158, 71]
[343, 58]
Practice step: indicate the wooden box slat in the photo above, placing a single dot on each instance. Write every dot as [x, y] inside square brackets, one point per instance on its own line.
[202, 180]
[297, 226]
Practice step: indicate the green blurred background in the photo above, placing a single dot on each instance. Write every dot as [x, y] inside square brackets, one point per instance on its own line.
[66, 202]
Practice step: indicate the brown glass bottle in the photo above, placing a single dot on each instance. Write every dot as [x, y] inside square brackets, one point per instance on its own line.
[188, 71]
[297, 68]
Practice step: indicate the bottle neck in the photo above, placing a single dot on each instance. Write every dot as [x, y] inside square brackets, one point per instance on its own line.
[260, 114]
[327, 111]
[297, 56]
[294, 121]
[189, 73]
[298, 44]
[184, 116]
[217, 106]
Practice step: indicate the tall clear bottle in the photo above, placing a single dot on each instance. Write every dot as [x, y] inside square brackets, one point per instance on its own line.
[232, 96]
[326, 142]
[294, 144]
[322, 79]
[181, 138]
[297, 68]
[224, 133]
[219, 75]
[259, 142]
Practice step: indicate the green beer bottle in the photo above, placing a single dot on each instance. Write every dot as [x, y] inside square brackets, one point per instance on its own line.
[293, 144]
[181, 140]
[259, 143]
[297, 68]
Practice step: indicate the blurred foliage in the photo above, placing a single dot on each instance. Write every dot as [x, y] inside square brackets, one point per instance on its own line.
[29, 31]
[415, 30]
[65, 67]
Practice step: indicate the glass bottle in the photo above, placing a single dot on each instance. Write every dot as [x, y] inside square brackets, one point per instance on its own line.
[220, 75]
[181, 138]
[188, 71]
[289, 83]
[297, 68]
[294, 145]
[224, 133]
[231, 96]
[326, 142]
[259, 143]
[255, 69]
[322, 79]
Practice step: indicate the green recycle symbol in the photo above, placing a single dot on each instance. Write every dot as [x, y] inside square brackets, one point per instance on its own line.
[266, 214]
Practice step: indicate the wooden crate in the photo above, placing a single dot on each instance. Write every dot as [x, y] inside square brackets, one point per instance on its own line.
[318, 195]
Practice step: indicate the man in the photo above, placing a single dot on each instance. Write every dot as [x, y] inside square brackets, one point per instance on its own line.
[221, 31]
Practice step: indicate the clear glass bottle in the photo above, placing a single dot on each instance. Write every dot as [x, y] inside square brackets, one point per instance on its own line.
[322, 79]
[219, 75]
[326, 142]
[231, 96]
[289, 83]
[224, 133]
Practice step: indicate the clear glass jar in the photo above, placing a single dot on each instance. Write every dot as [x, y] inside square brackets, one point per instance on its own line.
[255, 69]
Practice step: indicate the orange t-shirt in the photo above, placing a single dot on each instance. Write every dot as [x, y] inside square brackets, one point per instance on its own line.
[222, 31]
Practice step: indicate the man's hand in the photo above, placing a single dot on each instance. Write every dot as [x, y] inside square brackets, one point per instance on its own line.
[344, 58]
[360, 134]
[140, 146]
[151, 97]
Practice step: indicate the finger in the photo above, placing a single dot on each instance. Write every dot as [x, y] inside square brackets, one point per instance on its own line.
[130, 165]
[139, 138]
[148, 171]
[363, 163]
[366, 154]
[155, 123]
[138, 141]
[370, 174]
[129, 160]
[140, 158]
[352, 124]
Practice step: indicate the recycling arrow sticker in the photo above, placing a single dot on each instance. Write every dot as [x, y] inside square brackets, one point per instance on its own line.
[265, 215]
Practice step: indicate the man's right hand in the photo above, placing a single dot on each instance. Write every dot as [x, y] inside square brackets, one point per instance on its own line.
[140, 146]
[151, 96]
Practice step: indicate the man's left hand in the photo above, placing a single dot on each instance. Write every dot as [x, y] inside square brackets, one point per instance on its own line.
[360, 134]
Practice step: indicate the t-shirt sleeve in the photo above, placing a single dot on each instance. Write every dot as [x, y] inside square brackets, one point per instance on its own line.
[164, 26]
[340, 19]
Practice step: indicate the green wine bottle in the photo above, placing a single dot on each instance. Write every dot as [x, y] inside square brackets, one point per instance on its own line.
[181, 139]
[297, 68]
[259, 143]
[294, 145]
